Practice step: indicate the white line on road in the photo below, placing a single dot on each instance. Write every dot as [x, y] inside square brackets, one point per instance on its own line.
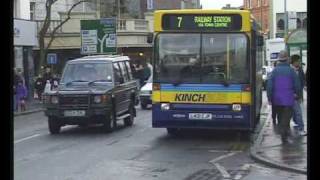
[222, 157]
[222, 170]
[223, 151]
[244, 167]
[26, 138]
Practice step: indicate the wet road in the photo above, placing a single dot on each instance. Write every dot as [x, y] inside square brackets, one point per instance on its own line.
[137, 152]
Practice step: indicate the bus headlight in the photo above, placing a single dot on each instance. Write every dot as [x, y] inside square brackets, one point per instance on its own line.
[165, 106]
[236, 107]
[54, 100]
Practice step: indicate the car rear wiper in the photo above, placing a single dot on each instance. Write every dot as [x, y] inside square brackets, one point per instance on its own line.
[99, 80]
[70, 82]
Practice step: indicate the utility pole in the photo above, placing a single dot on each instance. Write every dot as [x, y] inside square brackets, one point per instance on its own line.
[261, 16]
[119, 9]
[285, 19]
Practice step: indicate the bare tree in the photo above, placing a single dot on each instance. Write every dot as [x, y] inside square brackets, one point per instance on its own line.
[45, 27]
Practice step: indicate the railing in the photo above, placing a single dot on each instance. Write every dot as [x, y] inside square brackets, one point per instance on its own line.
[53, 24]
[123, 25]
[132, 25]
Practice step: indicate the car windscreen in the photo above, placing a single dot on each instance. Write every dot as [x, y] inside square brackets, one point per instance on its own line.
[201, 58]
[87, 72]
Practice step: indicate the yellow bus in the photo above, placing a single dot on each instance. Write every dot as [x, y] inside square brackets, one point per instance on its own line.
[207, 70]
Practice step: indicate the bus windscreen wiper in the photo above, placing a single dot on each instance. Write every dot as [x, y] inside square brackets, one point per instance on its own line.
[225, 82]
[177, 82]
[70, 82]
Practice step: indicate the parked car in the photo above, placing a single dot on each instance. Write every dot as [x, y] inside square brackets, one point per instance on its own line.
[93, 89]
[146, 94]
[266, 70]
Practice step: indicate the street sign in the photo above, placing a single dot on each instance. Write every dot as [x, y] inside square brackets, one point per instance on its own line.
[98, 36]
[52, 58]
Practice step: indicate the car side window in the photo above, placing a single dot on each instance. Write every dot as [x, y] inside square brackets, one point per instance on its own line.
[129, 69]
[124, 71]
[117, 73]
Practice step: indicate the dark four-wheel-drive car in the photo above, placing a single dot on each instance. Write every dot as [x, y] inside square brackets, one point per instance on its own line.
[92, 90]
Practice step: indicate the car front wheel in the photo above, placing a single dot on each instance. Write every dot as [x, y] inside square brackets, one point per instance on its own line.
[54, 126]
[110, 123]
[128, 121]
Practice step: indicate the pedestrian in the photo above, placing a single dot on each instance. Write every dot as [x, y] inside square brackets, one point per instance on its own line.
[282, 89]
[273, 109]
[47, 76]
[55, 82]
[146, 71]
[17, 78]
[39, 87]
[297, 112]
[21, 96]
[139, 72]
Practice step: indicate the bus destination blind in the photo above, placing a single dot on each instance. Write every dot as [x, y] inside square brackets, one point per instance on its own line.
[209, 22]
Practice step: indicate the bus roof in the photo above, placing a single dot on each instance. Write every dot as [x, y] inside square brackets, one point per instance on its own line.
[245, 14]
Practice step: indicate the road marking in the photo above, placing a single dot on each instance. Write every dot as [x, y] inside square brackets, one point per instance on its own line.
[244, 167]
[237, 177]
[224, 151]
[222, 170]
[26, 138]
[222, 157]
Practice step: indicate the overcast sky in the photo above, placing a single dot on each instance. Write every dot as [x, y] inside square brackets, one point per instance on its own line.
[218, 4]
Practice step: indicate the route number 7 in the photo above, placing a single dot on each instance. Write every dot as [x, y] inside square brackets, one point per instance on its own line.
[179, 23]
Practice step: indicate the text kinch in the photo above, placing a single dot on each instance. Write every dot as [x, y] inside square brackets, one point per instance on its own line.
[190, 97]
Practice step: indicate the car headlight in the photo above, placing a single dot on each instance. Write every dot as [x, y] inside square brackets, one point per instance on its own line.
[97, 99]
[54, 99]
[236, 107]
[100, 99]
[165, 106]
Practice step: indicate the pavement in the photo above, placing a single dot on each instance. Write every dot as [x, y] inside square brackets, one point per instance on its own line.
[33, 105]
[269, 150]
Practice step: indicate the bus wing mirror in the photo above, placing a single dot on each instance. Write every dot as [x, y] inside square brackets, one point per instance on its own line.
[260, 40]
[150, 38]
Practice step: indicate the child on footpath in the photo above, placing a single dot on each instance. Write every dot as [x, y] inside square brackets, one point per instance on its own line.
[21, 96]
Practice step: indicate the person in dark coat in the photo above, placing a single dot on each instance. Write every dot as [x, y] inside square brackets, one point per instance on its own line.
[139, 72]
[282, 89]
[47, 76]
[297, 112]
[39, 87]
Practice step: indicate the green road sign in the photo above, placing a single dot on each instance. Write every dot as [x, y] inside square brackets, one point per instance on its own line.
[98, 36]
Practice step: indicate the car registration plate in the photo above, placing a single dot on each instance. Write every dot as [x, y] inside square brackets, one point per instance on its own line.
[73, 113]
[200, 116]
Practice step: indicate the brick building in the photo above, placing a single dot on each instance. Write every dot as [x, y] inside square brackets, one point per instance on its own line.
[261, 11]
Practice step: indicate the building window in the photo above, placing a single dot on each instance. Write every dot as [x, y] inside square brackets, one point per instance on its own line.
[280, 24]
[304, 23]
[298, 23]
[250, 4]
[259, 3]
[32, 10]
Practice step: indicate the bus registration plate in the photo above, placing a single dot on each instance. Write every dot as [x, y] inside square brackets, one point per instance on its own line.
[73, 113]
[200, 116]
